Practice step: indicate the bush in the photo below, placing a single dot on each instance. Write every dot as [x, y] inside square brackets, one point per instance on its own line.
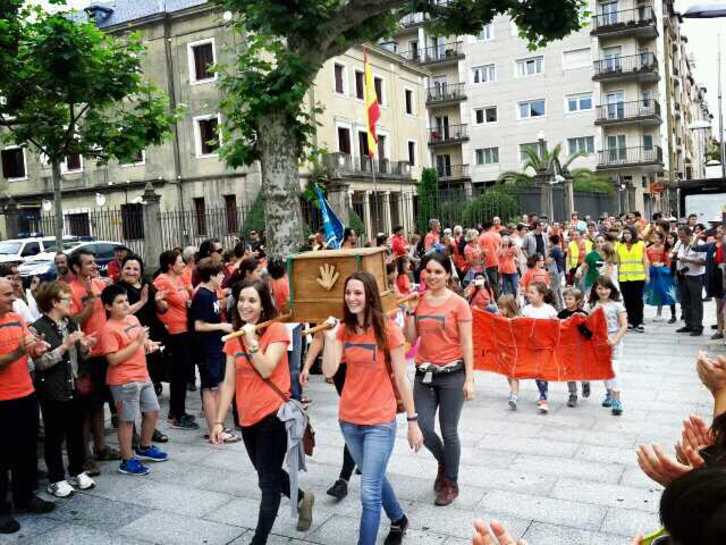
[255, 217]
[355, 223]
[593, 186]
[428, 199]
[495, 201]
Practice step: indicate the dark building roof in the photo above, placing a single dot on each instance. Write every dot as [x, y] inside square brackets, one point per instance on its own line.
[117, 12]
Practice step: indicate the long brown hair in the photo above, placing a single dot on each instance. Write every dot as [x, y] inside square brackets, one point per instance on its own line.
[373, 315]
[268, 311]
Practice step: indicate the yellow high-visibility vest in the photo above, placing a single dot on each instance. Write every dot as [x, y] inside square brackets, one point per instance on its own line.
[573, 253]
[630, 267]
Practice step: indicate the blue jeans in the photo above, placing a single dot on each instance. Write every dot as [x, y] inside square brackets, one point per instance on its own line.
[371, 448]
[510, 282]
[294, 358]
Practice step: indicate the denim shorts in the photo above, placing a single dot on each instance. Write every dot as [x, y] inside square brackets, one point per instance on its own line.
[211, 371]
[134, 397]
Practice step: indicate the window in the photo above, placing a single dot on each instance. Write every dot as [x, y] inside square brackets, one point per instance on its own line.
[31, 248]
[73, 163]
[531, 108]
[408, 95]
[579, 103]
[199, 216]
[132, 221]
[378, 84]
[577, 58]
[534, 146]
[484, 74]
[616, 148]
[530, 67]
[584, 143]
[344, 140]
[487, 156]
[487, 33]
[647, 142]
[381, 146]
[486, 115]
[339, 78]
[13, 163]
[230, 207]
[359, 86]
[79, 225]
[411, 153]
[207, 134]
[363, 147]
[201, 59]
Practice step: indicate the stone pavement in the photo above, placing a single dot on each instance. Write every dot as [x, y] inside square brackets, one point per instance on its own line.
[568, 478]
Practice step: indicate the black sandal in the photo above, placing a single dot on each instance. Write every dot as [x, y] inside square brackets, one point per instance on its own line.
[159, 437]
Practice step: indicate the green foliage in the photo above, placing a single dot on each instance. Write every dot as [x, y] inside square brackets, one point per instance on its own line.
[428, 199]
[494, 201]
[356, 223]
[546, 163]
[255, 217]
[585, 180]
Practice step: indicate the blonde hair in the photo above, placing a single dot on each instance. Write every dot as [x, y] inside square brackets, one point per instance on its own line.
[609, 253]
[471, 234]
[575, 293]
[508, 306]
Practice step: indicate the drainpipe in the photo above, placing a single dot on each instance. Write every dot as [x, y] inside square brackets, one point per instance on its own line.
[171, 91]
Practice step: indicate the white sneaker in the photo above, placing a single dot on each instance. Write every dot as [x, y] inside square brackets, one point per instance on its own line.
[61, 489]
[82, 481]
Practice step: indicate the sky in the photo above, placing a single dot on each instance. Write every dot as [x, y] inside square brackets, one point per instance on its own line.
[702, 44]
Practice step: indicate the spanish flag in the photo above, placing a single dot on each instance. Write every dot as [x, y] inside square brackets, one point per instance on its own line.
[373, 110]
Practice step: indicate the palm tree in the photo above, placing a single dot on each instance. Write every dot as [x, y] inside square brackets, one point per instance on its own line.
[584, 179]
[545, 164]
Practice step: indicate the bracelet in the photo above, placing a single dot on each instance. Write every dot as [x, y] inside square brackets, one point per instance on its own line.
[413, 418]
[410, 313]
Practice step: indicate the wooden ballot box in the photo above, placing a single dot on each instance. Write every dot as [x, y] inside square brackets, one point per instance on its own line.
[317, 281]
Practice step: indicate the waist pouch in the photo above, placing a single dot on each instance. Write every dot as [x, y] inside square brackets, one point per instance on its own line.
[436, 370]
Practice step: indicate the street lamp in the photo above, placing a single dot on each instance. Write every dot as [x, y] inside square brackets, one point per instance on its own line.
[705, 11]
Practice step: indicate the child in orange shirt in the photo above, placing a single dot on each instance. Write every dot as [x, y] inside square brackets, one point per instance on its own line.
[125, 343]
[535, 273]
[509, 308]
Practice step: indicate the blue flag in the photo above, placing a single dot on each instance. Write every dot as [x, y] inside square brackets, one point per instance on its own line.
[332, 226]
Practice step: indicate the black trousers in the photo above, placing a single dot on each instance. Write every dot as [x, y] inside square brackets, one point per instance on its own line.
[266, 444]
[348, 463]
[690, 289]
[633, 300]
[18, 454]
[493, 277]
[63, 420]
[179, 348]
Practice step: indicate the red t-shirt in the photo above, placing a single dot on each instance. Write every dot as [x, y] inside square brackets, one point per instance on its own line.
[177, 295]
[481, 299]
[114, 270]
[280, 288]
[368, 398]
[430, 239]
[117, 335]
[399, 246]
[489, 242]
[404, 284]
[97, 319]
[438, 329]
[255, 399]
[535, 275]
[15, 381]
[506, 260]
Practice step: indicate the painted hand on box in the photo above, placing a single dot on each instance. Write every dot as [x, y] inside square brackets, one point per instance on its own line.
[328, 277]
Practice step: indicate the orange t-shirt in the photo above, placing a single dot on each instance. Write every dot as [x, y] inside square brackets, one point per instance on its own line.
[535, 275]
[15, 381]
[177, 296]
[438, 329]
[255, 399]
[368, 397]
[473, 256]
[404, 284]
[117, 335]
[481, 299]
[280, 288]
[490, 242]
[97, 319]
[506, 260]
[430, 239]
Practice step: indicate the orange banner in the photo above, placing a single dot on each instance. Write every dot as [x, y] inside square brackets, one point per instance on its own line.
[554, 350]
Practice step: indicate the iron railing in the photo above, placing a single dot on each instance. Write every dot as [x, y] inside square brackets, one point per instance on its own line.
[623, 19]
[615, 157]
[436, 54]
[448, 134]
[630, 64]
[619, 111]
[351, 165]
[445, 92]
[452, 172]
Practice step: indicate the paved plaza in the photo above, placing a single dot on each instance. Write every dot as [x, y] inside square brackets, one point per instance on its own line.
[568, 478]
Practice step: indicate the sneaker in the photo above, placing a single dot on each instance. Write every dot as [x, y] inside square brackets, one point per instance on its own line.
[82, 481]
[543, 406]
[631, 326]
[305, 512]
[36, 506]
[672, 320]
[585, 389]
[90, 468]
[397, 531]
[339, 490]
[448, 493]
[608, 401]
[512, 402]
[439, 482]
[684, 329]
[108, 455]
[8, 525]
[640, 328]
[658, 318]
[185, 423]
[716, 336]
[60, 489]
[152, 453]
[133, 467]
[696, 333]
[617, 409]
[572, 401]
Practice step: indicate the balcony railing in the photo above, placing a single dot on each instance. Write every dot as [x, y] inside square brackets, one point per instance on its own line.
[412, 20]
[643, 64]
[620, 157]
[448, 134]
[640, 20]
[435, 55]
[620, 112]
[445, 92]
[448, 173]
[344, 164]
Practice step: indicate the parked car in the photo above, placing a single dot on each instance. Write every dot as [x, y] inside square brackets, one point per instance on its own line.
[42, 265]
[23, 249]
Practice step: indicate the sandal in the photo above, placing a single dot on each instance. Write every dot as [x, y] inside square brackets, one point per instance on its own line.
[230, 437]
[159, 437]
[108, 454]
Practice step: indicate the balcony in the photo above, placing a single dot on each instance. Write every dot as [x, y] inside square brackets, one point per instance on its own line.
[642, 67]
[643, 112]
[618, 158]
[453, 173]
[344, 165]
[441, 54]
[444, 94]
[412, 20]
[638, 22]
[448, 135]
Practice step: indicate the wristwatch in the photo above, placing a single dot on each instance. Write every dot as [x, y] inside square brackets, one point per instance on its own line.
[413, 418]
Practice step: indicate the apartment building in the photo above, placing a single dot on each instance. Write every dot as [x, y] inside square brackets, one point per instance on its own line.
[183, 39]
[617, 90]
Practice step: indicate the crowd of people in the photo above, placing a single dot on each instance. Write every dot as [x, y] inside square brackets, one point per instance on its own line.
[74, 345]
